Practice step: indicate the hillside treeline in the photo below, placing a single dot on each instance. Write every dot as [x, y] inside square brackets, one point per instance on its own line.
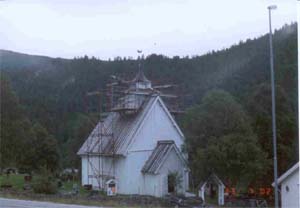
[226, 95]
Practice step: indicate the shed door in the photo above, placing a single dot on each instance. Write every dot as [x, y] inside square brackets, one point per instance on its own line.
[171, 185]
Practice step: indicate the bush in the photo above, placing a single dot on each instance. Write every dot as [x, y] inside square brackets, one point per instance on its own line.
[45, 185]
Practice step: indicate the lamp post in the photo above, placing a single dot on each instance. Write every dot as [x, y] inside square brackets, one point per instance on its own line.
[139, 52]
[270, 8]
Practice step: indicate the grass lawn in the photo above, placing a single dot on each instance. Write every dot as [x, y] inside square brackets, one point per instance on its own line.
[68, 187]
[16, 180]
[65, 194]
[211, 201]
[77, 201]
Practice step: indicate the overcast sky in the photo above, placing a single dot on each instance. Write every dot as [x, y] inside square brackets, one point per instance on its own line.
[110, 28]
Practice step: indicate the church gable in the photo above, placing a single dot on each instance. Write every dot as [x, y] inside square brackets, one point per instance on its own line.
[175, 125]
[173, 162]
[157, 125]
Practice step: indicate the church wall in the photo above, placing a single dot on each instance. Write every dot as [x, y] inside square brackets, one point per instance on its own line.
[152, 184]
[91, 168]
[84, 176]
[130, 173]
[133, 181]
[173, 164]
[157, 126]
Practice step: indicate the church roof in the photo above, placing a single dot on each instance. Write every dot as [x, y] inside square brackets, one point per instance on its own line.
[159, 155]
[140, 77]
[115, 132]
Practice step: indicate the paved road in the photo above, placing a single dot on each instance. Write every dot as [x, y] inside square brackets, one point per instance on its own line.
[15, 203]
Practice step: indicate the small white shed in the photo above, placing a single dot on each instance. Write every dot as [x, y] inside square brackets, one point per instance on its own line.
[208, 185]
[289, 183]
[111, 187]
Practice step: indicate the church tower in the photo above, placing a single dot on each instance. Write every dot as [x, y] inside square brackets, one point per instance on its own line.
[138, 91]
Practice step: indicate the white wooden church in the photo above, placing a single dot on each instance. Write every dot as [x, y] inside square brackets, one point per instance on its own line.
[136, 148]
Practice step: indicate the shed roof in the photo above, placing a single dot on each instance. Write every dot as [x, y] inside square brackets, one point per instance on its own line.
[159, 154]
[287, 173]
[212, 177]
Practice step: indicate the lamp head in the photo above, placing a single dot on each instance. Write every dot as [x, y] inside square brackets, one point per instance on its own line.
[272, 7]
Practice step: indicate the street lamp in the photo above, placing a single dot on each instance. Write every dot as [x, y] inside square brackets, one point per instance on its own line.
[140, 52]
[270, 8]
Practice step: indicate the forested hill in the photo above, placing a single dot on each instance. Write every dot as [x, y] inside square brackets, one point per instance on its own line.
[52, 90]
[242, 65]
[13, 60]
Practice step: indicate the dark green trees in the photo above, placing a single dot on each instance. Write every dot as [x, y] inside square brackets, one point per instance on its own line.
[259, 106]
[41, 151]
[220, 139]
[23, 145]
[12, 124]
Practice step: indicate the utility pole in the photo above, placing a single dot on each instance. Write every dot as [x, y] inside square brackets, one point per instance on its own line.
[270, 8]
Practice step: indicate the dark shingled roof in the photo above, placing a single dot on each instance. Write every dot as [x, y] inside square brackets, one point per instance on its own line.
[158, 156]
